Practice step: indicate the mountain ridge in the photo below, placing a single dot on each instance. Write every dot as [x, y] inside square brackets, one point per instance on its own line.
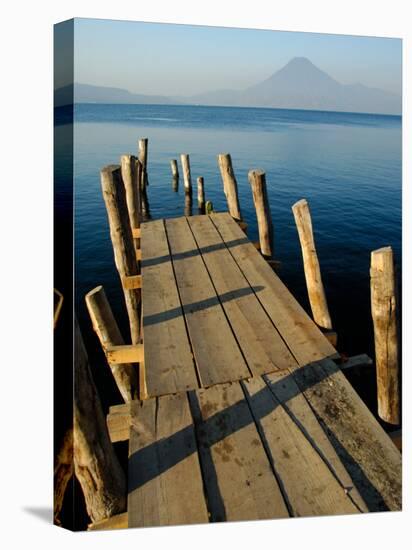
[297, 85]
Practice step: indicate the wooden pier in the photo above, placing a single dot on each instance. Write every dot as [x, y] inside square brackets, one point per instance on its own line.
[236, 407]
[248, 416]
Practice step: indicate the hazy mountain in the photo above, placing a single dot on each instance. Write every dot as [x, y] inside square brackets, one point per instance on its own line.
[298, 85]
[301, 85]
[86, 93]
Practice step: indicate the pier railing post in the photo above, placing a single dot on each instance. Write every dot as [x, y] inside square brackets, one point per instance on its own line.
[186, 172]
[200, 194]
[257, 180]
[316, 292]
[107, 330]
[143, 144]
[95, 463]
[384, 311]
[229, 185]
[122, 241]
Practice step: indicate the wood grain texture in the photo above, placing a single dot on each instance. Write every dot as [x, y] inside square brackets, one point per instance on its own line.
[229, 185]
[384, 312]
[287, 393]
[311, 265]
[303, 338]
[215, 349]
[239, 481]
[257, 180]
[168, 360]
[187, 177]
[371, 459]
[108, 333]
[165, 483]
[95, 463]
[260, 342]
[311, 488]
[122, 241]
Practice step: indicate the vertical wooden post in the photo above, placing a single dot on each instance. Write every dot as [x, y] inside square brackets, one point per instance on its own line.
[107, 330]
[200, 193]
[95, 463]
[188, 204]
[311, 265]
[122, 241]
[257, 181]
[143, 142]
[229, 185]
[129, 169]
[186, 172]
[384, 310]
[174, 168]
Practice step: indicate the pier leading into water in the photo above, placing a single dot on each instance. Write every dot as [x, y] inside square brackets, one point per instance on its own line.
[236, 407]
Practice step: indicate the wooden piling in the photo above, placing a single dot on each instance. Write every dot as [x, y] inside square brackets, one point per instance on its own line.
[143, 144]
[122, 241]
[107, 330]
[200, 193]
[257, 180]
[186, 172]
[95, 463]
[384, 311]
[174, 168]
[229, 185]
[129, 168]
[188, 204]
[316, 292]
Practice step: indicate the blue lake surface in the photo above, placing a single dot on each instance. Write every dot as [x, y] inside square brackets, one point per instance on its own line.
[348, 167]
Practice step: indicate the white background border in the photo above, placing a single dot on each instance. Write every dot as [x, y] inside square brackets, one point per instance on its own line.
[26, 267]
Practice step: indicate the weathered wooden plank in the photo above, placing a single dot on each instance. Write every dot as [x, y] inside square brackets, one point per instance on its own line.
[215, 349]
[286, 391]
[310, 486]
[239, 481]
[118, 422]
[260, 342]
[165, 483]
[128, 353]
[304, 339]
[168, 360]
[372, 460]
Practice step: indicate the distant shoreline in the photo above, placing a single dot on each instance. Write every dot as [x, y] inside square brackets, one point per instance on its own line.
[185, 105]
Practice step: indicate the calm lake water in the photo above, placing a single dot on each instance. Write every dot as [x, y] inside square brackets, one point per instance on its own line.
[348, 167]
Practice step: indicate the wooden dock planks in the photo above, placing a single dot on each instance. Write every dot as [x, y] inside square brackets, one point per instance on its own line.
[304, 339]
[168, 359]
[165, 482]
[215, 349]
[287, 393]
[239, 481]
[261, 344]
[310, 486]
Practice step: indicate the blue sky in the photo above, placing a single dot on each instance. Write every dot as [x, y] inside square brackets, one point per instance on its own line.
[154, 58]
